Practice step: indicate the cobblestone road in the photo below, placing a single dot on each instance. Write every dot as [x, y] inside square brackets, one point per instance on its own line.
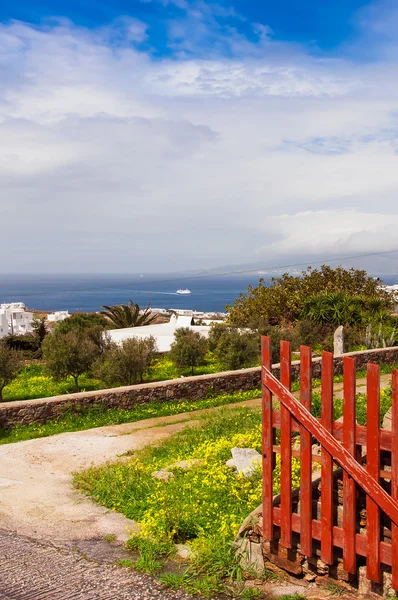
[32, 570]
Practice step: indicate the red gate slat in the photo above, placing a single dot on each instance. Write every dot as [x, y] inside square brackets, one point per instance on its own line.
[327, 461]
[286, 450]
[267, 443]
[394, 476]
[349, 485]
[373, 468]
[306, 454]
[340, 454]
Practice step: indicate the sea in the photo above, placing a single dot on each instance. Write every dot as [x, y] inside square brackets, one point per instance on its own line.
[88, 293]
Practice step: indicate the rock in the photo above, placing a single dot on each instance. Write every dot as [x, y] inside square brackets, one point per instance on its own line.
[231, 463]
[338, 341]
[183, 552]
[251, 556]
[163, 475]
[287, 590]
[246, 460]
[185, 465]
[387, 420]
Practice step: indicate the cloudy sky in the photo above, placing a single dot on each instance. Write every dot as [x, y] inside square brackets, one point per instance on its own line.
[163, 135]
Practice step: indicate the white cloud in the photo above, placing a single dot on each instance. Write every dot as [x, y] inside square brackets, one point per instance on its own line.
[112, 160]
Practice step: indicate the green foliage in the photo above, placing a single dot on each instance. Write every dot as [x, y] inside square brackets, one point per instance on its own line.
[128, 315]
[10, 363]
[81, 322]
[286, 296]
[90, 325]
[340, 308]
[381, 336]
[26, 344]
[278, 334]
[126, 363]
[236, 349]
[71, 353]
[150, 551]
[189, 349]
[39, 326]
[33, 381]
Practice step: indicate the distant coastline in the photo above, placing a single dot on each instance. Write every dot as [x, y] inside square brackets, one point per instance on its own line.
[89, 292]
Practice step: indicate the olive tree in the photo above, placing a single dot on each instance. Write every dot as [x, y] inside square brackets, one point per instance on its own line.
[126, 363]
[237, 349]
[10, 363]
[189, 349]
[69, 354]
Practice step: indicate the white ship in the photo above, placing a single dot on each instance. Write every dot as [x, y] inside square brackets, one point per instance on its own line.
[186, 291]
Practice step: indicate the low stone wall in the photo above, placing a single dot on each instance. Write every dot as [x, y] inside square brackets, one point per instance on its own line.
[192, 388]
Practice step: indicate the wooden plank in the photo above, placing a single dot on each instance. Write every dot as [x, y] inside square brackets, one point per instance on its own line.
[338, 537]
[306, 454]
[349, 485]
[373, 468]
[286, 450]
[267, 442]
[339, 453]
[360, 432]
[327, 461]
[394, 477]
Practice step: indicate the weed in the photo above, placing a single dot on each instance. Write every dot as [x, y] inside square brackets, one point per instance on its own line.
[295, 596]
[334, 589]
[151, 551]
[110, 537]
[172, 580]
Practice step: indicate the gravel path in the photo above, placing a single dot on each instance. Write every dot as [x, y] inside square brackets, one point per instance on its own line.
[32, 570]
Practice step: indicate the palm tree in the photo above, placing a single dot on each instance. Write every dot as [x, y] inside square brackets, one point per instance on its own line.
[128, 315]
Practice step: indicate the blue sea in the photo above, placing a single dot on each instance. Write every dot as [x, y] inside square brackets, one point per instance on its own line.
[79, 293]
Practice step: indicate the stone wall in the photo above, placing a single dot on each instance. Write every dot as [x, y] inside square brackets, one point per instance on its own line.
[192, 388]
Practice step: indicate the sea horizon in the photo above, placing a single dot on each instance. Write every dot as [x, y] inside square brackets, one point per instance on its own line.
[89, 292]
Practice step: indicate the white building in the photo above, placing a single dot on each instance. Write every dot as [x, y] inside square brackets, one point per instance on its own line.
[57, 316]
[3, 324]
[14, 319]
[163, 333]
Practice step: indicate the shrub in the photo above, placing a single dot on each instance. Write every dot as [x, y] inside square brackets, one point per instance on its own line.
[10, 363]
[127, 363]
[67, 354]
[189, 349]
[237, 349]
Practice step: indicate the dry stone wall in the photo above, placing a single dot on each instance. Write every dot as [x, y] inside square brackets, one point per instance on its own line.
[192, 388]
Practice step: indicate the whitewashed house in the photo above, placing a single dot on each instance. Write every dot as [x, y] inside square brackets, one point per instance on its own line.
[57, 316]
[15, 319]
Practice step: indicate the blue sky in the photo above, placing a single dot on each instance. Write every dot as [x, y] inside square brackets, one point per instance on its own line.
[160, 135]
[320, 24]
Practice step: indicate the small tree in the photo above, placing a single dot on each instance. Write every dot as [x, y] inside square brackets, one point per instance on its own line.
[128, 315]
[127, 363]
[69, 354]
[237, 349]
[10, 363]
[189, 349]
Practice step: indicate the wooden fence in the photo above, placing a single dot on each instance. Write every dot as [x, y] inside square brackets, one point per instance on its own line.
[341, 445]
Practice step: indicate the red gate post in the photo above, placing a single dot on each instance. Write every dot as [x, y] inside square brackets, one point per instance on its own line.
[267, 442]
[394, 476]
[327, 461]
[305, 454]
[349, 486]
[373, 468]
[286, 450]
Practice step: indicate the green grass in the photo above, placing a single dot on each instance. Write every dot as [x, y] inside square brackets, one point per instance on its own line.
[77, 419]
[34, 382]
[202, 507]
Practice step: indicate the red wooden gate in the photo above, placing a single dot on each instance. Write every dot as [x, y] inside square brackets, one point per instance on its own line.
[341, 443]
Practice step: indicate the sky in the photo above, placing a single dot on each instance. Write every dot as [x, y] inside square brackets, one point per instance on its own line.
[167, 135]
